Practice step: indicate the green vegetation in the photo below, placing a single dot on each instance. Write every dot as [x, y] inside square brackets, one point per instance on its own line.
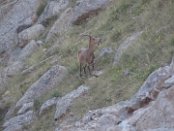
[41, 7]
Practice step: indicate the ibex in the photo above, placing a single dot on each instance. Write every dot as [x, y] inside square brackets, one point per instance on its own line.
[86, 55]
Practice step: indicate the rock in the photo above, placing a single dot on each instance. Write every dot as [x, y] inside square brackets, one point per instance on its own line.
[17, 64]
[31, 47]
[169, 82]
[106, 122]
[52, 9]
[137, 114]
[160, 129]
[14, 69]
[26, 107]
[48, 104]
[87, 8]
[155, 80]
[16, 123]
[76, 15]
[48, 81]
[65, 102]
[126, 72]
[97, 73]
[39, 43]
[61, 25]
[125, 45]
[3, 80]
[29, 34]
[158, 115]
[16, 15]
[105, 51]
[22, 27]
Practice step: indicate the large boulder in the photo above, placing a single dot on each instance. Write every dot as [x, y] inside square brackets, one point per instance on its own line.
[30, 34]
[159, 115]
[18, 122]
[52, 9]
[48, 81]
[30, 48]
[149, 109]
[65, 102]
[86, 8]
[14, 69]
[16, 15]
[48, 104]
[76, 15]
[61, 25]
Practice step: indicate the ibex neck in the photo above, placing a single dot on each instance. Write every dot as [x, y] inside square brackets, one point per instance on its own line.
[91, 47]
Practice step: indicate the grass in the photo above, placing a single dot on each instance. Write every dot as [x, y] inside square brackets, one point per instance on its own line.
[41, 7]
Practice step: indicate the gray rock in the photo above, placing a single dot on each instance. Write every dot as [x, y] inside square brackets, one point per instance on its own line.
[85, 9]
[14, 69]
[105, 51]
[65, 102]
[125, 45]
[169, 82]
[97, 73]
[16, 65]
[30, 34]
[135, 114]
[48, 81]
[16, 15]
[48, 104]
[82, 11]
[126, 72]
[52, 9]
[61, 25]
[160, 129]
[16, 123]
[3, 80]
[30, 48]
[25, 107]
[158, 115]
[155, 79]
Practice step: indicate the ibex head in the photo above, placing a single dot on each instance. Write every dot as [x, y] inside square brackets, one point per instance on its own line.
[93, 40]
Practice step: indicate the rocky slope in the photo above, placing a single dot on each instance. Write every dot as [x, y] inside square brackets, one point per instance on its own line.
[131, 87]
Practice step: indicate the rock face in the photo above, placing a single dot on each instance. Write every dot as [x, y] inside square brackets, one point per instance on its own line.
[48, 81]
[18, 12]
[65, 102]
[46, 105]
[24, 107]
[149, 110]
[18, 122]
[159, 114]
[15, 68]
[84, 9]
[61, 25]
[30, 34]
[31, 47]
[52, 9]
[76, 15]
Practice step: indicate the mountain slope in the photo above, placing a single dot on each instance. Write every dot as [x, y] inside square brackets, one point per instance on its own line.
[137, 38]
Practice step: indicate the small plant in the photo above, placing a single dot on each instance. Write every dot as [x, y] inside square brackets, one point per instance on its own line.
[37, 104]
[56, 94]
[172, 42]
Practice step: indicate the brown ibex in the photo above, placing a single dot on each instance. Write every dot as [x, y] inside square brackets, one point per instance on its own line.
[86, 55]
